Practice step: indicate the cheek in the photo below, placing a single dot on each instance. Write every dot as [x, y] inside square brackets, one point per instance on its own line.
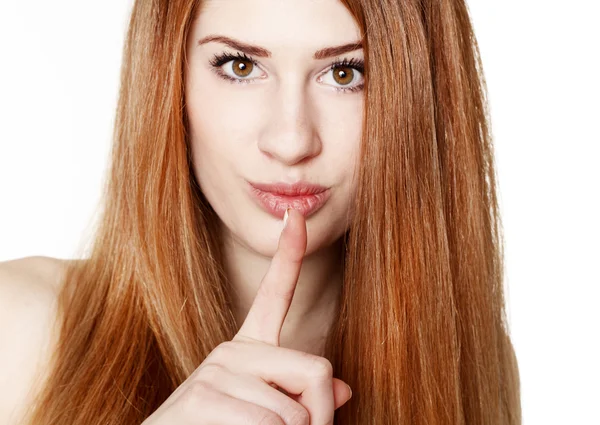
[344, 151]
[221, 127]
[345, 146]
[218, 109]
[221, 157]
[342, 130]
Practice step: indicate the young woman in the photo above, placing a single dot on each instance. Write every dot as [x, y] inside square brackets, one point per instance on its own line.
[365, 121]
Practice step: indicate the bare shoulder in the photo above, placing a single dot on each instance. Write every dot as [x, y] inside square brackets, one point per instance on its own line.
[29, 289]
[32, 273]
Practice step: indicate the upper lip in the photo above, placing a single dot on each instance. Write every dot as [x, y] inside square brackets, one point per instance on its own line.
[294, 189]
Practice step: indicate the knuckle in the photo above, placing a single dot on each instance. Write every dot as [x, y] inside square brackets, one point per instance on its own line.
[322, 368]
[192, 399]
[223, 351]
[267, 417]
[243, 340]
[275, 292]
[297, 415]
[211, 372]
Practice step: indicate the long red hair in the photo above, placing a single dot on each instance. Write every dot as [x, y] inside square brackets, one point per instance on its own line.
[421, 335]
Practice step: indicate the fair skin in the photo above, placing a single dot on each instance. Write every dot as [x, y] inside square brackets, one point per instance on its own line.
[287, 121]
[289, 124]
[28, 332]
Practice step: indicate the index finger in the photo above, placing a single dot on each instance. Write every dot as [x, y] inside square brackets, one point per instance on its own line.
[274, 295]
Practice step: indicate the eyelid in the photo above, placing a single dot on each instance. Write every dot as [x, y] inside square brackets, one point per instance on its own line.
[220, 59]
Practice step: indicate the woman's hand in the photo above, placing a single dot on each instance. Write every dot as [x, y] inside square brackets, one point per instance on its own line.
[236, 383]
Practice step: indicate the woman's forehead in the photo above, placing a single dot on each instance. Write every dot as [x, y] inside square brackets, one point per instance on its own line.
[278, 25]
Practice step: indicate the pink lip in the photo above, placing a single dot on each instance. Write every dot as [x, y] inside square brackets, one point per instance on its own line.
[276, 198]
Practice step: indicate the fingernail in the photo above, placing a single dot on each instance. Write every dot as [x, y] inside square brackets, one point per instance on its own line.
[349, 389]
[285, 217]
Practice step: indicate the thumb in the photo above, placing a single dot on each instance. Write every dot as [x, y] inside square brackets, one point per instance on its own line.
[341, 392]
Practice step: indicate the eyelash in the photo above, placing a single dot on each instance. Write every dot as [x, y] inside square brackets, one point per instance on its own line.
[221, 59]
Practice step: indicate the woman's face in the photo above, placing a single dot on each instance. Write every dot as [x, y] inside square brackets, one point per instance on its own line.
[286, 117]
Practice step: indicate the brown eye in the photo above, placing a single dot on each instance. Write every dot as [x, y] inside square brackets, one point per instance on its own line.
[343, 74]
[242, 68]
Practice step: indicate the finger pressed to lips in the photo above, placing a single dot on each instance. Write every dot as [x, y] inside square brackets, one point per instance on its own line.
[274, 296]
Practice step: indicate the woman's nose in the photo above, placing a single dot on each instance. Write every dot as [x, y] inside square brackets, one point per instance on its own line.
[290, 135]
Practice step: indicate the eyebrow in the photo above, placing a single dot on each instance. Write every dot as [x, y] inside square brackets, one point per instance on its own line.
[258, 51]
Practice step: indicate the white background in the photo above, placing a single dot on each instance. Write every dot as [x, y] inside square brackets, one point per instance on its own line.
[59, 76]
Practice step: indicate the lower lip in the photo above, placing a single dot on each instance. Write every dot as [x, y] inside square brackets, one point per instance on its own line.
[276, 204]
